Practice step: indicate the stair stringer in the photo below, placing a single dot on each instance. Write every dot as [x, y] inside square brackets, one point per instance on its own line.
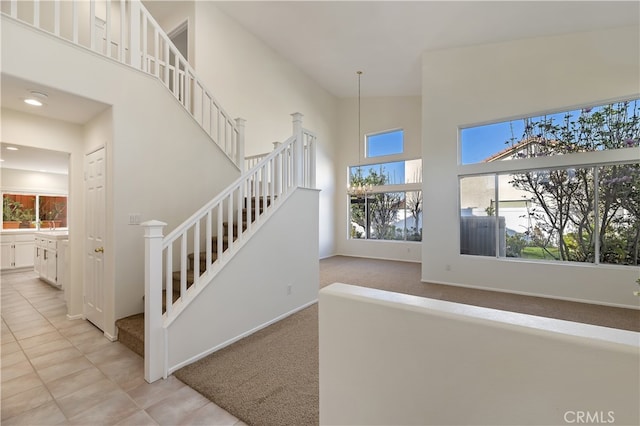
[270, 276]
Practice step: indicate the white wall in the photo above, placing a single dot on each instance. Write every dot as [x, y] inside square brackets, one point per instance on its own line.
[33, 181]
[377, 114]
[151, 135]
[31, 130]
[251, 291]
[480, 84]
[252, 81]
[389, 358]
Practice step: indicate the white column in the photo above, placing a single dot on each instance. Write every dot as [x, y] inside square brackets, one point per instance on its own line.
[154, 345]
[298, 149]
[240, 122]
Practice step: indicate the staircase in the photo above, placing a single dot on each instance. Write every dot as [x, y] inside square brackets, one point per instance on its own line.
[124, 31]
[131, 328]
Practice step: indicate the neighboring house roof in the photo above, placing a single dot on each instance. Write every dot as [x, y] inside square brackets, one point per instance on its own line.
[524, 148]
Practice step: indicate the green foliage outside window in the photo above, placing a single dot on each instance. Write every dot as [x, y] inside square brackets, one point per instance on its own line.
[375, 215]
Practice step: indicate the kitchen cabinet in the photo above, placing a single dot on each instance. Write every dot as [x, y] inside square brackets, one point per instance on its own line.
[16, 250]
[50, 256]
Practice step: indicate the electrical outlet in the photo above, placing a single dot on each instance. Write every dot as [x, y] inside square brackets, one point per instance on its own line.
[289, 289]
[447, 267]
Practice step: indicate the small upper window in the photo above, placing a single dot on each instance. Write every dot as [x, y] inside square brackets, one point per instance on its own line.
[387, 143]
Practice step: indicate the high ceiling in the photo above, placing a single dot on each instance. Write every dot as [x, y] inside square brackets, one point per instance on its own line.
[331, 40]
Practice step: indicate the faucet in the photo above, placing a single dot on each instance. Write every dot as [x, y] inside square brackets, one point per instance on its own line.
[52, 225]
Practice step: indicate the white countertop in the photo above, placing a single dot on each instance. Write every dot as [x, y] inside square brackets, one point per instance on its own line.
[55, 234]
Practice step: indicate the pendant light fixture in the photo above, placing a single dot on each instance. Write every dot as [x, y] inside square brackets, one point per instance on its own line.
[359, 190]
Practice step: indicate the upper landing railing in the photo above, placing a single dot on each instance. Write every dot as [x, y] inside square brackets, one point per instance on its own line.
[125, 31]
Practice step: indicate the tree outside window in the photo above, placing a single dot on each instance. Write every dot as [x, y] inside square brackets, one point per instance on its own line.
[386, 215]
[575, 213]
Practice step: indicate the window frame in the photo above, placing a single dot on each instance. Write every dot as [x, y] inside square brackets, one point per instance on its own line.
[37, 222]
[383, 132]
[600, 158]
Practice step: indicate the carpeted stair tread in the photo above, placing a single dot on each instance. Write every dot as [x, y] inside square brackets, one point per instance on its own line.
[203, 257]
[177, 277]
[131, 333]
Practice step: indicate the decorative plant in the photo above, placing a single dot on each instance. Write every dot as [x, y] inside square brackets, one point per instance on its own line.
[26, 215]
[637, 293]
[11, 210]
[52, 211]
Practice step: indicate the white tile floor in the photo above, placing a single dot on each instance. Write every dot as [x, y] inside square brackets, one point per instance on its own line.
[56, 371]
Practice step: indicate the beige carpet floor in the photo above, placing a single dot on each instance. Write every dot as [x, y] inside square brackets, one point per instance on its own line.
[271, 377]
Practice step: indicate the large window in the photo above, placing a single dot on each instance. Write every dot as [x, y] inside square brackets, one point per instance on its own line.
[387, 216]
[583, 209]
[33, 211]
[385, 200]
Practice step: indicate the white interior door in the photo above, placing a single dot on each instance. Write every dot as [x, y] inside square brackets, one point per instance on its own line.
[94, 244]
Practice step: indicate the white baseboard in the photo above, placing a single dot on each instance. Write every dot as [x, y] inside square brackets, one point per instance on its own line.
[76, 317]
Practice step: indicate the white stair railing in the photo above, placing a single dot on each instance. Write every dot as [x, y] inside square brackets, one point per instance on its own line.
[213, 234]
[125, 31]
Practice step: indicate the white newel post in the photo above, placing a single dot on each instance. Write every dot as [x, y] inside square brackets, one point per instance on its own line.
[134, 35]
[153, 333]
[298, 149]
[240, 122]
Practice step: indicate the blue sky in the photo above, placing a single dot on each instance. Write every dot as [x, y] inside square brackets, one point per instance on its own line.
[381, 144]
[479, 143]
[385, 143]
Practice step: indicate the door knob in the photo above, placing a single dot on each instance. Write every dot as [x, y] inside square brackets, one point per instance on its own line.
[99, 250]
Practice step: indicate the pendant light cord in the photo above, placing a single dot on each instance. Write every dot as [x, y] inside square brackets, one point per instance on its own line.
[359, 117]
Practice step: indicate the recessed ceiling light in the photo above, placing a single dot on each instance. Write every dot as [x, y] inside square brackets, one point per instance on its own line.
[33, 102]
[12, 148]
[36, 98]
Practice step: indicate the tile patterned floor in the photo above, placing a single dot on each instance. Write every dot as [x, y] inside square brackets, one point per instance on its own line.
[60, 372]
